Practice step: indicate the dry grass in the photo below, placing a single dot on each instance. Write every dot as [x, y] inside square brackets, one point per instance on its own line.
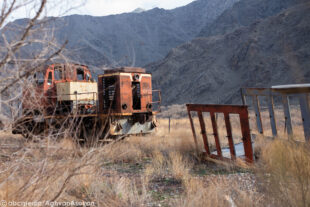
[137, 171]
[158, 169]
[218, 193]
[285, 172]
[38, 173]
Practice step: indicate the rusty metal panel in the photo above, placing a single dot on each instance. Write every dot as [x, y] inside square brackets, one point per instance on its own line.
[125, 94]
[146, 91]
[232, 109]
[109, 94]
[226, 110]
[216, 134]
[287, 115]
[125, 70]
[246, 135]
[229, 136]
[204, 132]
[117, 96]
[128, 79]
[305, 113]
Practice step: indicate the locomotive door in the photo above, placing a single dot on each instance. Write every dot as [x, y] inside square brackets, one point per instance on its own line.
[50, 88]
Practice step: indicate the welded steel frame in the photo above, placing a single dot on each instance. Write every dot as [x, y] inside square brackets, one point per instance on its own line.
[284, 92]
[242, 111]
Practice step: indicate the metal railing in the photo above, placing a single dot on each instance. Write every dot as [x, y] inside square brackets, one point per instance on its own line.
[301, 91]
[77, 101]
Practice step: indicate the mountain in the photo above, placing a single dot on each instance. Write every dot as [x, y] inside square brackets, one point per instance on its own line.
[132, 38]
[245, 13]
[271, 51]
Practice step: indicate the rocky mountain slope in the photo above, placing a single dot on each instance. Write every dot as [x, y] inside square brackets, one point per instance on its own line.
[245, 13]
[272, 51]
[133, 38]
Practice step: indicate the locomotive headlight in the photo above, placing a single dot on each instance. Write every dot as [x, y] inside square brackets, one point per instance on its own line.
[124, 106]
[149, 106]
[136, 77]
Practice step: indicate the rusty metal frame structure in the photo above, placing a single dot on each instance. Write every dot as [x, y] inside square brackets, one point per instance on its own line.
[226, 110]
[302, 91]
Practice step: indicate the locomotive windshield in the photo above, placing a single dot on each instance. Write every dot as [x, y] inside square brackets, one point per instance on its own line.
[39, 78]
[58, 73]
[80, 73]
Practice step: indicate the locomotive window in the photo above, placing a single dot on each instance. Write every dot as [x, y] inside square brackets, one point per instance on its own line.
[39, 78]
[50, 78]
[80, 73]
[58, 73]
[136, 95]
[109, 99]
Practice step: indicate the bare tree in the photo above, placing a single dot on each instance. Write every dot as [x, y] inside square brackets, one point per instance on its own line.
[25, 46]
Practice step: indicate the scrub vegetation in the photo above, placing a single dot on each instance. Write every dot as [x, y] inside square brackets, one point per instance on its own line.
[161, 169]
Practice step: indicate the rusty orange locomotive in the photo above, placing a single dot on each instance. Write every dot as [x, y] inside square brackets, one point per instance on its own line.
[64, 98]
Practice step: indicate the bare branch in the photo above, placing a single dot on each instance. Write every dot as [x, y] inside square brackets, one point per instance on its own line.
[4, 15]
[27, 73]
[25, 34]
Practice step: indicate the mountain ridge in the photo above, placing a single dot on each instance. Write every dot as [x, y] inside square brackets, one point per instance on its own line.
[132, 39]
[275, 50]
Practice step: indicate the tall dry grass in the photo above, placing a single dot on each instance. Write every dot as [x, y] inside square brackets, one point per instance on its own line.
[60, 172]
[138, 171]
[221, 191]
[285, 172]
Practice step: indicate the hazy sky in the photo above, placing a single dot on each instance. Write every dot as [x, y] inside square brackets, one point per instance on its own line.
[95, 7]
[105, 7]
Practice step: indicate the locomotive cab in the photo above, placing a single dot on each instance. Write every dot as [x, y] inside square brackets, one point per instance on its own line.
[47, 92]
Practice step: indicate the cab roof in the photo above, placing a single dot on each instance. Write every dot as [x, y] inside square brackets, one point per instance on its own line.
[125, 70]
